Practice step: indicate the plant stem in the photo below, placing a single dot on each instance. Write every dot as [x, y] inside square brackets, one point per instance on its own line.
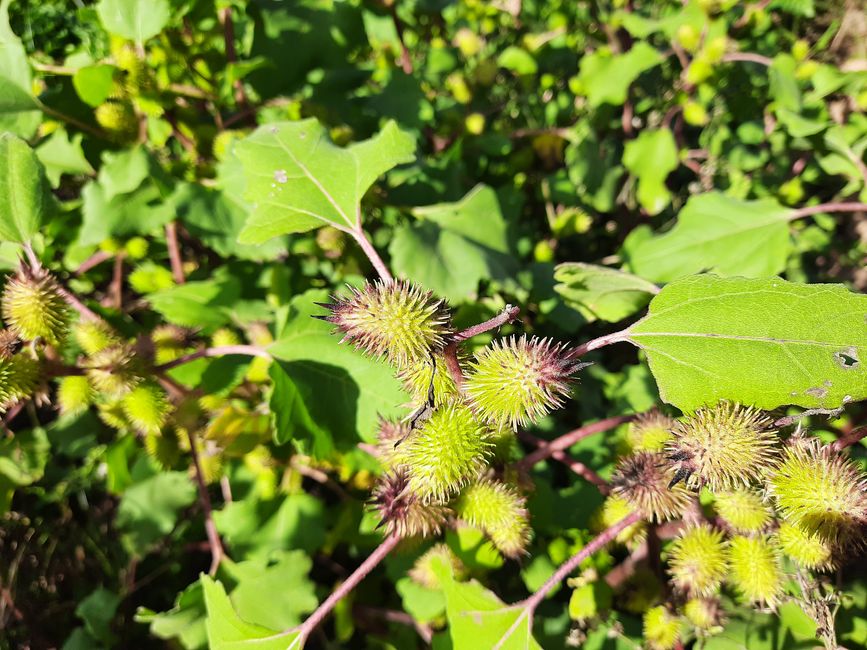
[530, 604]
[849, 439]
[359, 236]
[600, 342]
[575, 465]
[568, 439]
[94, 260]
[747, 57]
[405, 59]
[87, 128]
[450, 354]
[85, 312]
[827, 207]
[378, 555]
[214, 542]
[508, 314]
[220, 351]
[175, 259]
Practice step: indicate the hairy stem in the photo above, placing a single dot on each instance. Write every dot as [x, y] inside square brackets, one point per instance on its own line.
[568, 439]
[601, 342]
[220, 351]
[575, 465]
[529, 606]
[450, 354]
[359, 236]
[214, 542]
[509, 313]
[849, 439]
[827, 207]
[378, 555]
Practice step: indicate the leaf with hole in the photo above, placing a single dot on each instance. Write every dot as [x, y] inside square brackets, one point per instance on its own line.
[767, 343]
[298, 180]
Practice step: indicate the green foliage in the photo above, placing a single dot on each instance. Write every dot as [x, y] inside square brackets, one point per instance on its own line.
[189, 189]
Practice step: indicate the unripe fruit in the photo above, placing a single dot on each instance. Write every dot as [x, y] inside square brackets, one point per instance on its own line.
[474, 123]
[800, 49]
[423, 571]
[394, 320]
[18, 378]
[417, 381]
[457, 86]
[499, 511]
[807, 549]
[118, 119]
[694, 114]
[33, 307]
[74, 394]
[743, 510]
[402, 511]
[514, 382]
[755, 569]
[223, 337]
[95, 336]
[688, 37]
[704, 613]
[723, 447]
[698, 71]
[715, 49]
[111, 412]
[114, 371]
[819, 490]
[448, 451]
[468, 42]
[644, 480]
[661, 628]
[146, 407]
[136, 248]
[697, 561]
[806, 70]
[543, 252]
[650, 432]
[614, 509]
[163, 449]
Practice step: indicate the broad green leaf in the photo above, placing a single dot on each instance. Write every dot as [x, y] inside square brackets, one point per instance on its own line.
[651, 157]
[599, 292]
[94, 83]
[62, 154]
[717, 233]
[455, 245]
[97, 610]
[766, 343]
[479, 619]
[136, 20]
[228, 631]
[214, 218]
[184, 622]
[18, 107]
[149, 509]
[606, 77]
[25, 197]
[22, 461]
[203, 304]
[325, 391]
[274, 593]
[297, 180]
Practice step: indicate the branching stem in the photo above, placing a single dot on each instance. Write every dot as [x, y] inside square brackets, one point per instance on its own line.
[568, 439]
[573, 464]
[529, 606]
[509, 313]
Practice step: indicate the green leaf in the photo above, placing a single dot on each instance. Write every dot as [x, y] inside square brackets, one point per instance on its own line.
[606, 77]
[185, 621]
[136, 20]
[19, 112]
[228, 631]
[479, 619]
[256, 528]
[198, 304]
[651, 157]
[454, 246]
[62, 154]
[94, 83]
[149, 509]
[298, 180]
[718, 233]
[276, 593]
[22, 461]
[25, 197]
[599, 292]
[97, 610]
[325, 391]
[766, 343]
